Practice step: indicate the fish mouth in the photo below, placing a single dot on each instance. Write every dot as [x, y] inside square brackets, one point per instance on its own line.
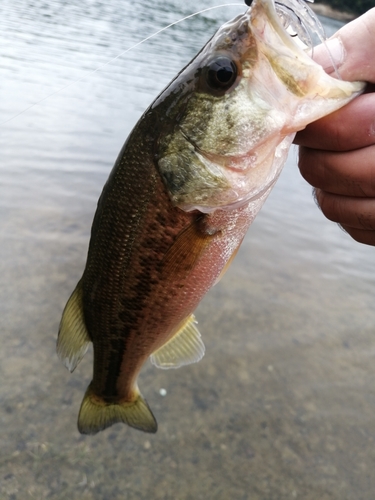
[289, 15]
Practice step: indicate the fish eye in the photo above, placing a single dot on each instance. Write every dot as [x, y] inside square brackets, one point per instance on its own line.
[221, 73]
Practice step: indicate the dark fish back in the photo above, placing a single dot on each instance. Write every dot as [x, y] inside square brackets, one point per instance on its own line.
[134, 226]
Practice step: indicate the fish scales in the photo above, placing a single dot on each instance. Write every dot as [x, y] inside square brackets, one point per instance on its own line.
[126, 289]
[187, 184]
[133, 229]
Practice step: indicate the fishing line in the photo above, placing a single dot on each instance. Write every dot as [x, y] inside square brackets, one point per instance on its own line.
[89, 73]
[335, 68]
[308, 21]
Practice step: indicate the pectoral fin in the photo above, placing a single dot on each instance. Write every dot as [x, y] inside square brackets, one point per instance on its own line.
[187, 249]
[73, 339]
[184, 348]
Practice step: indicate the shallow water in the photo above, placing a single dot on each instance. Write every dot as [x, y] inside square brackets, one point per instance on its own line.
[282, 405]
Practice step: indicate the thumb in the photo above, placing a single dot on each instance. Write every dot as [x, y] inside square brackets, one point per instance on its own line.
[352, 49]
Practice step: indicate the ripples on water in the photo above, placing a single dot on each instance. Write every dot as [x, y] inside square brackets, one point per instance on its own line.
[282, 406]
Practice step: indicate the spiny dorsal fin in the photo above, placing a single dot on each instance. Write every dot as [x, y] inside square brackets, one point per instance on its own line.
[96, 415]
[184, 348]
[73, 339]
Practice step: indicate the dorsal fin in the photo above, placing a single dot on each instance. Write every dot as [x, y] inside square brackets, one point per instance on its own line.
[73, 339]
[184, 348]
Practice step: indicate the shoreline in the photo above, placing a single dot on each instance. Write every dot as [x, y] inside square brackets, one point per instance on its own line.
[325, 10]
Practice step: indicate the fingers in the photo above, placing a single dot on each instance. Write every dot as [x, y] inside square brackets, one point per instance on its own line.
[351, 212]
[360, 235]
[345, 180]
[355, 215]
[358, 38]
[337, 153]
[349, 128]
[352, 49]
[343, 173]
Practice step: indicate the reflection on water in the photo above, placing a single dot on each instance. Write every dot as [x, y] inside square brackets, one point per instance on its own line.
[282, 406]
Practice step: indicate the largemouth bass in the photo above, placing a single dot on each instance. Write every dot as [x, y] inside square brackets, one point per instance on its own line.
[187, 184]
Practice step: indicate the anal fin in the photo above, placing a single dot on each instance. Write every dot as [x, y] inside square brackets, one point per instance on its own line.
[96, 415]
[184, 348]
[73, 339]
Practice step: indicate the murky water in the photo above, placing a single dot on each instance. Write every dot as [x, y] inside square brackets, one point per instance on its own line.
[283, 404]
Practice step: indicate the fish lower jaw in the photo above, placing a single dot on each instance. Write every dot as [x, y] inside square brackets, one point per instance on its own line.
[253, 199]
[233, 200]
[249, 177]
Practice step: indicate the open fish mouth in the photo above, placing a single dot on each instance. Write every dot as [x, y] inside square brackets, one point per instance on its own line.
[293, 20]
[300, 21]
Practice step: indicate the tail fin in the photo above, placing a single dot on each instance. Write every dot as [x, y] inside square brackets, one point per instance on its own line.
[96, 415]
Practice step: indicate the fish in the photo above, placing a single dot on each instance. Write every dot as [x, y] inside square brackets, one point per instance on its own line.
[187, 184]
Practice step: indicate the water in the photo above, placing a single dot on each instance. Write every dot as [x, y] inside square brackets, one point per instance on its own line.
[282, 406]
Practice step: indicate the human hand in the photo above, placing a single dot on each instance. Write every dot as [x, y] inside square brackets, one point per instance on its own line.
[337, 152]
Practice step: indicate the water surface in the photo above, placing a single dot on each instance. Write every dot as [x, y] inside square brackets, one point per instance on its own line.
[283, 404]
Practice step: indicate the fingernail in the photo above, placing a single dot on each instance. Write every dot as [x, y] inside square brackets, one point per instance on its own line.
[332, 54]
